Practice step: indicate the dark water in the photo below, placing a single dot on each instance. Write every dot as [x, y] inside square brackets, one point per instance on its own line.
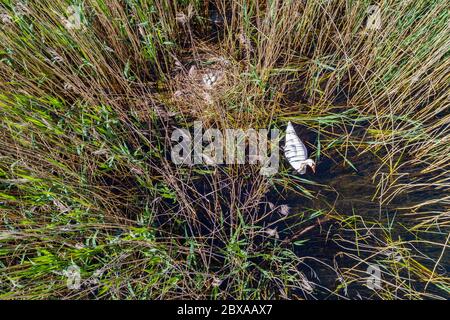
[347, 192]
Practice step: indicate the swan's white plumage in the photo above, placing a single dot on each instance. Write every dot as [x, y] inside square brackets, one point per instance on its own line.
[294, 150]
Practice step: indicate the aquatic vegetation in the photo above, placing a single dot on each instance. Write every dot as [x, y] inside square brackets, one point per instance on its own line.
[296, 152]
[91, 205]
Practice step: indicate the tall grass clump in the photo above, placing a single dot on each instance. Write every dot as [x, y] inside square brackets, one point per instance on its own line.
[88, 106]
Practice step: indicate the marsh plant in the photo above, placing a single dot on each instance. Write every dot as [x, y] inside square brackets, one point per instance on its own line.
[92, 92]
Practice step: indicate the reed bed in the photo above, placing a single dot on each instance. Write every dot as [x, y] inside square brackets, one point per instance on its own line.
[87, 108]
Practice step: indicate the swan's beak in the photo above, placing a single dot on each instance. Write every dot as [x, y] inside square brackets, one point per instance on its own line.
[313, 168]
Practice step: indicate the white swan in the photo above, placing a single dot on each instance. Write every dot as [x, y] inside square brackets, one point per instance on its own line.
[296, 152]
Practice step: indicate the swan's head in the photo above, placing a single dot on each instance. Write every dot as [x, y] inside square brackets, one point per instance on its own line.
[311, 164]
